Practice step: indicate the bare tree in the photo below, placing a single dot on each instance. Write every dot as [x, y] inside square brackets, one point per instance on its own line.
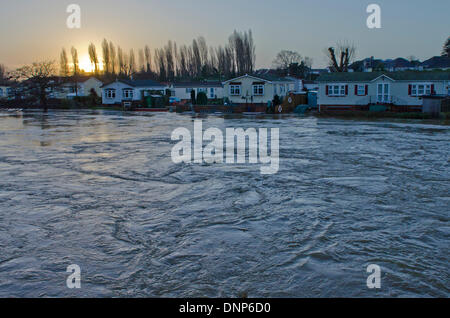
[113, 57]
[3, 73]
[286, 58]
[169, 60]
[64, 64]
[183, 62]
[345, 52]
[249, 52]
[141, 65]
[187, 61]
[131, 63]
[106, 57]
[446, 48]
[196, 59]
[93, 57]
[148, 59]
[75, 61]
[243, 52]
[160, 63]
[76, 68]
[38, 78]
[121, 61]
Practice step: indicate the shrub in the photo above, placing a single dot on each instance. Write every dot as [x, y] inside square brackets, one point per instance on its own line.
[202, 99]
[276, 100]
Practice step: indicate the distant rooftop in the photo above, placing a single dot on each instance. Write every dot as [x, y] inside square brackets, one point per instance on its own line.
[437, 62]
[398, 76]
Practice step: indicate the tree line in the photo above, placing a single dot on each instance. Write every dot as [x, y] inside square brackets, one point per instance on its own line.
[171, 62]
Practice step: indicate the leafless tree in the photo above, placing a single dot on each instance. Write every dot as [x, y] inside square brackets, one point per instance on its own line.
[113, 57]
[76, 68]
[75, 61]
[131, 63]
[38, 78]
[3, 73]
[286, 58]
[64, 64]
[121, 61]
[93, 57]
[106, 57]
[243, 52]
[141, 59]
[345, 52]
[196, 58]
[169, 60]
[446, 48]
[160, 64]
[148, 59]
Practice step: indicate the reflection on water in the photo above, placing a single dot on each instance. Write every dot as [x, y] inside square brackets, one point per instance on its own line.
[98, 189]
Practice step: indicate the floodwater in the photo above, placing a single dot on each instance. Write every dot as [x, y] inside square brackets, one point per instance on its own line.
[99, 189]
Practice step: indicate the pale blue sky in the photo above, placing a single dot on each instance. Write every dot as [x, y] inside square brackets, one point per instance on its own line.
[36, 29]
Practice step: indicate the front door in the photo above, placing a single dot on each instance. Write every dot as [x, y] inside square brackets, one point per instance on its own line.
[384, 93]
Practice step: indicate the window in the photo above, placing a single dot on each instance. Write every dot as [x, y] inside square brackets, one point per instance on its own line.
[337, 90]
[212, 94]
[110, 93]
[361, 90]
[128, 94]
[420, 89]
[258, 90]
[189, 90]
[201, 90]
[235, 90]
[282, 89]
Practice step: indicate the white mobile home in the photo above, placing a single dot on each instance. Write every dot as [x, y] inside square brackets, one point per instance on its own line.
[182, 91]
[399, 90]
[120, 91]
[258, 89]
[82, 87]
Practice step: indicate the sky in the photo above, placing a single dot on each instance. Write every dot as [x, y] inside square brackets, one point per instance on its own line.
[35, 30]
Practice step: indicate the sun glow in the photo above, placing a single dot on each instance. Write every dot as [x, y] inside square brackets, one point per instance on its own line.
[87, 66]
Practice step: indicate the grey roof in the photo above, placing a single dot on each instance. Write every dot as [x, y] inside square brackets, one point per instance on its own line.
[138, 83]
[266, 77]
[398, 63]
[397, 76]
[143, 83]
[437, 62]
[270, 75]
[197, 84]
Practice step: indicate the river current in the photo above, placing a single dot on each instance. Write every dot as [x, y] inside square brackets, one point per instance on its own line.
[99, 189]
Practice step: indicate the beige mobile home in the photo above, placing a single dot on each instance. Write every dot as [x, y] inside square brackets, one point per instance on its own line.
[182, 91]
[258, 89]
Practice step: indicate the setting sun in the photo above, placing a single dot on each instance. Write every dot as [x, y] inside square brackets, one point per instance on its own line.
[87, 66]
